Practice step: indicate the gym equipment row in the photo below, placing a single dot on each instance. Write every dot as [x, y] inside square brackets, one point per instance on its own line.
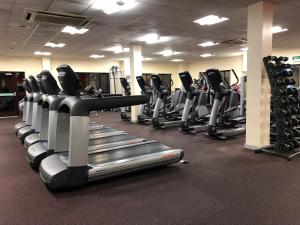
[209, 105]
[68, 150]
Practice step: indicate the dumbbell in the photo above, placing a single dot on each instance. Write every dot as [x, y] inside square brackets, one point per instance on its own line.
[281, 101]
[292, 100]
[287, 73]
[289, 82]
[285, 59]
[280, 58]
[286, 147]
[286, 134]
[294, 110]
[279, 82]
[295, 143]
[288, 66]
[283, 124]
[295, 132]
[271, 65]
[292, 91]
[295, 121]
[284, 112]
[281, 91]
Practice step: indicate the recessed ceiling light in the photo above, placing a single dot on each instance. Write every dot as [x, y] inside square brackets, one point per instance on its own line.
[210, 20]
[146, 59]
[244, 49]
[42, 53]
[153, 38]
[97, 56]
[168, 52]
[53, 45]
[206, 55]
[74, 30]
[117, 49]
[176, 60]
[208, 44]
[278, 29]
[113, 6]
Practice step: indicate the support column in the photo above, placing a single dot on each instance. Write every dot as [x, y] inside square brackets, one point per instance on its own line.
[135, 70]
[46, 64]
[260, 20]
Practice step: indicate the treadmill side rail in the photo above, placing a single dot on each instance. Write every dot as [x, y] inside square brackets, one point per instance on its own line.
[130, 165]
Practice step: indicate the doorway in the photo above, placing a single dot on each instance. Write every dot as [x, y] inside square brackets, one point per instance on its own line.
[11, 92]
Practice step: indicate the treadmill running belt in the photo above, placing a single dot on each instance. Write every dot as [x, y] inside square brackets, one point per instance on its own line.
[123, 153]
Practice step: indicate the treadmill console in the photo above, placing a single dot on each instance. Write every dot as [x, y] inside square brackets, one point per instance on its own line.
[49, 83]
[69, 80]
[26, 85]
[33, 84]
[39, 82]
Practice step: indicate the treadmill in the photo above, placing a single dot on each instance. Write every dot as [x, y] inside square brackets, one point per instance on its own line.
[56, 126]
[78, 166]
[33, 117]
[41, 118]
[27, 109]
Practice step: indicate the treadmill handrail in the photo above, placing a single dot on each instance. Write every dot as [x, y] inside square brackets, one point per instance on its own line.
[77, 106]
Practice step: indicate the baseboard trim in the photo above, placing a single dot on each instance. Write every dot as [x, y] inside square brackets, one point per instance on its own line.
[251, 147]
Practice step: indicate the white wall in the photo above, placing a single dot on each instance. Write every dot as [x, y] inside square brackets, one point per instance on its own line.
[29, 65]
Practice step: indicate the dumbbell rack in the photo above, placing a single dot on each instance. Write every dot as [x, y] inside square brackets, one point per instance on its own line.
[284, 107]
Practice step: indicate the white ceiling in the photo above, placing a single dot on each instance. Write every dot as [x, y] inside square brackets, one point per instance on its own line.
[166, 17]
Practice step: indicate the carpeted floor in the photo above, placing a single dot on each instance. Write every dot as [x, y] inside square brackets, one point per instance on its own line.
[222, 184]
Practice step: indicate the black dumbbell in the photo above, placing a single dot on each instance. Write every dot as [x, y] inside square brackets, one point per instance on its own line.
[285, 59]
[295, 121]
[281, 91]
[273, 58]
[286, 147]
[292, 100]
[289, 81]
[283, 124]
[294, 110]
[295, 132]
[281, 101]
[295, 143]
[287, 73]
[292, 91]
[279, 82]
[284, 112]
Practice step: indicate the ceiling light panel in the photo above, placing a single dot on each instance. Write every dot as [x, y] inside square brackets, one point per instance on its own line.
[176, 60]
[210, 20]
[206, 55]
[95, 56]
[208, 44]
[53, 45]
[278, 29]
[74, 30]
[42, 53]
[153, 38]
[114, 6]
[118, 49]
[168, 52]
